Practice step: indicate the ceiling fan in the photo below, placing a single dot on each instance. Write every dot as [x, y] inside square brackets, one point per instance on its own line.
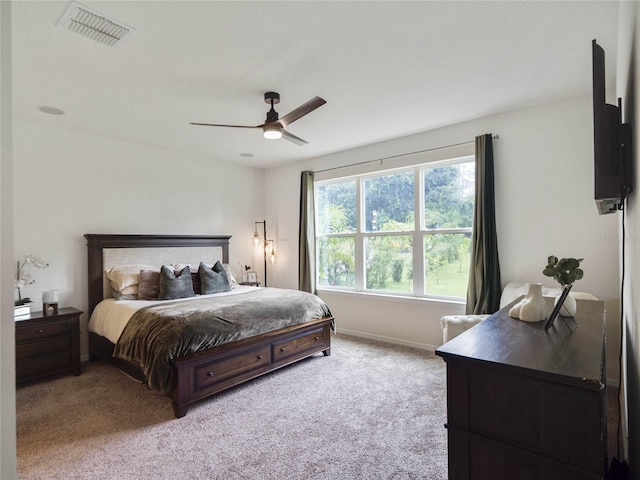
[273, 127]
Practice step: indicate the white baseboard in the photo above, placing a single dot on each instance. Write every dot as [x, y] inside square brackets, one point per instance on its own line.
[611, 382]
[382, 338]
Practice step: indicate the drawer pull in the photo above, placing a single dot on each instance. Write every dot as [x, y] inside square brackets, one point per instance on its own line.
[259, 357]
[41, 330]
[209, 374]
[282, 349]
[316, 338]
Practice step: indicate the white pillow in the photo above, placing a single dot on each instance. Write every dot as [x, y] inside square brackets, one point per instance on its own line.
[126, 277]
[232, 281]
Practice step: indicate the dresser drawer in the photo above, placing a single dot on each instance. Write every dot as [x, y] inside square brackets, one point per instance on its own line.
[41, 365]
[29, 349]
[42, 330]
[215, 372]
[312, 340]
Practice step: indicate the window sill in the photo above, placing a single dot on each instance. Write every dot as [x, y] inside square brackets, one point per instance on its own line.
[391, 298]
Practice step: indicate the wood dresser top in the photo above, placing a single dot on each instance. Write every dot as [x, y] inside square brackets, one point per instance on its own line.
[556, 354]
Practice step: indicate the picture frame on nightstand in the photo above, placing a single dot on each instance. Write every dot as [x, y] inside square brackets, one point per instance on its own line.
[252, 277]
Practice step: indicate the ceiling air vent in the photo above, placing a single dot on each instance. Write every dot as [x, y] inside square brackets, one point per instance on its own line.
[94, 25]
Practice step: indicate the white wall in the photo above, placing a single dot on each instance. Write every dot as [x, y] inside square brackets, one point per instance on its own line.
[544, 193]
[628, 72]
[71, 183]
[7, 354]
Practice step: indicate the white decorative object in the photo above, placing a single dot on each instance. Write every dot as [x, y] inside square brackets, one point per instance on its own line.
[532, 308]
[22, 310]
[50, 301]
[50, 296]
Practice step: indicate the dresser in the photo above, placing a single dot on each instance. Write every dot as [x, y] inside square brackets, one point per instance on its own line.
[47, 344]
[527, 403]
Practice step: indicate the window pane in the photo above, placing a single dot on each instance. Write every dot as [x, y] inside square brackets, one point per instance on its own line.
[448, 196]
[389, 263]
[336, 261]
[446, 264]
[389, 204]
[336, 207]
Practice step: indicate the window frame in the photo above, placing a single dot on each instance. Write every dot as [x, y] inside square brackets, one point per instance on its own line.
[417, 234]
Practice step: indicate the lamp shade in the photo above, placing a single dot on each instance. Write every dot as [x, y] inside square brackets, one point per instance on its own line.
[272, 132]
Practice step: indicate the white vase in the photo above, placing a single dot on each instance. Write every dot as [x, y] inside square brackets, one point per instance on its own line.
[532, 308]
[569, 307]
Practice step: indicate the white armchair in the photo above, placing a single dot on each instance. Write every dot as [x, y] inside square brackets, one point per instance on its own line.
[454, 325]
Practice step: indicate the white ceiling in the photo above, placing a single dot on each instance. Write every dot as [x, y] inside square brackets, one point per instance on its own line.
[386, 68]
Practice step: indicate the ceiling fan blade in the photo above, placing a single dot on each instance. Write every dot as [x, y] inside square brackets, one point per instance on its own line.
[217, 125]
[302, 110]
[292, 138]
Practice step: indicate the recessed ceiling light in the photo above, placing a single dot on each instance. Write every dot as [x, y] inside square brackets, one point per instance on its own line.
[50, 110]
[247, 155]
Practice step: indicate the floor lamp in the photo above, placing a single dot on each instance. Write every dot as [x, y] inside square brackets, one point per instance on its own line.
[267, 246]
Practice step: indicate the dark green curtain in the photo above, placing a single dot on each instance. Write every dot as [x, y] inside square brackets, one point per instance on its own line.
[483, 293]
[307, 235]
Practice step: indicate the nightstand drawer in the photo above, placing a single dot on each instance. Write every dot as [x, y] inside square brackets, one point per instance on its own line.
[24, 350]
[43, 330]
[41, 365]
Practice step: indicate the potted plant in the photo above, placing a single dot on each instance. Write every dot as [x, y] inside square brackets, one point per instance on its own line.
[23, 278]
[565, 271]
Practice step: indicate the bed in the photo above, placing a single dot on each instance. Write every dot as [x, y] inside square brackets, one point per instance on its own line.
[215, 365]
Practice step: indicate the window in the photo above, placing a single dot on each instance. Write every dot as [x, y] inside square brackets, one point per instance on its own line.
[405, 232]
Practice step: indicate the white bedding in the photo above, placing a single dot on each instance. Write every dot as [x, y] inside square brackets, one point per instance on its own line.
[111, 316]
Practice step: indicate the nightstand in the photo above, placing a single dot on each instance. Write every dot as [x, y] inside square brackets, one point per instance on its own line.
[47, 344]
[251, 284]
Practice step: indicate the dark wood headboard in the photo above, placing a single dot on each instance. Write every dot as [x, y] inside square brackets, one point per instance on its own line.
[96, 243]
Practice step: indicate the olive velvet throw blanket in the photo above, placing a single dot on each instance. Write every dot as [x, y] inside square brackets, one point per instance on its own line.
[159, 333]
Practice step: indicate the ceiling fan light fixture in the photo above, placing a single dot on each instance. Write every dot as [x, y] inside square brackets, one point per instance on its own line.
[272, 132]
[274, 128]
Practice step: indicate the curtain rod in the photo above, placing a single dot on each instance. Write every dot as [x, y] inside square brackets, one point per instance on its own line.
[493, 137]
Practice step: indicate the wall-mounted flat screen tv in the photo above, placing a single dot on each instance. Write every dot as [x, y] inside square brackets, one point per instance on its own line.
[612, 145]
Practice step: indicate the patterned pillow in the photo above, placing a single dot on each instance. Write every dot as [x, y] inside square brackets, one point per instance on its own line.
[175, 284]
[213, 280]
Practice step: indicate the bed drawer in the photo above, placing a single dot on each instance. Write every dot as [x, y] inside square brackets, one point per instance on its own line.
[215, 372]
[312, 340]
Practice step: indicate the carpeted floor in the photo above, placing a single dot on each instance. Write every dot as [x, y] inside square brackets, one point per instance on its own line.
[370, 410]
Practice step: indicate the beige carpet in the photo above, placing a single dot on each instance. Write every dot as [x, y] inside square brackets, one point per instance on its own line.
[369, 410]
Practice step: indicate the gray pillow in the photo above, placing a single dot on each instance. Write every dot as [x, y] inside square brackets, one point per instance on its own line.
[213, 280]
[149, 287]
[175, 285]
